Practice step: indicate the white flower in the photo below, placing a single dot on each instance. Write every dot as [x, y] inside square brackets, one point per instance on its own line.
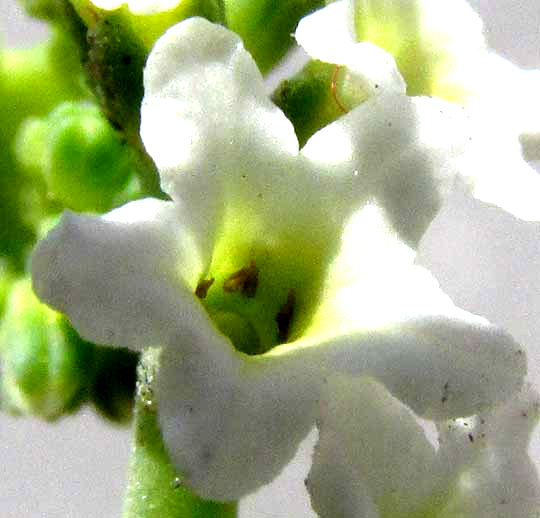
[374, 460]
[440, 49]
[138, 6]
[303, 254]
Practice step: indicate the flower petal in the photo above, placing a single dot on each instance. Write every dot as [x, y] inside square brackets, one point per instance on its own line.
[383, 316]
[372, 457]
[324, 33]
[409, 152]
[374, 453]
[122, 279]
[208, 123]
[328, 35]
[498, 478]
[491, 79]
[230, 424]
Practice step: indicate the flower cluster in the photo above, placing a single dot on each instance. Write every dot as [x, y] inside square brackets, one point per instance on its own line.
[276, 279]
[279, 282]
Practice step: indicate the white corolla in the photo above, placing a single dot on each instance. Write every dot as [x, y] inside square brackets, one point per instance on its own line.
[440, 50]
[274, 270]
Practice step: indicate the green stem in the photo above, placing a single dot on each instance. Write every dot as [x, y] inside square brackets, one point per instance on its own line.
[155, 489]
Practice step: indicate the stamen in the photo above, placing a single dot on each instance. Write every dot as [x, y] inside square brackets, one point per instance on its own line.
[244, 280]
[333, 88]
[202, 288]
[284, 317]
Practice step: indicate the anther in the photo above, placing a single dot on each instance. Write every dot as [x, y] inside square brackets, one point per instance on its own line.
[284, 317]
[244, 280]
[202, 288]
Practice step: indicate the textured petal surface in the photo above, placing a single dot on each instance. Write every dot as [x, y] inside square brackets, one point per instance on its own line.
[409, 152]
[498, 479]
[122, 279]
[372, 452]
[231, 424]
[328, 35]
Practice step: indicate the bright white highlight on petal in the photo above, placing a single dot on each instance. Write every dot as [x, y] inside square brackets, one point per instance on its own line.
[122, 279]
[334, 146]
[324, 33]
[138, 6]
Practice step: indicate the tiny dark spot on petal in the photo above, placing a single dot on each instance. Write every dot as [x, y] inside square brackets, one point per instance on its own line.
[206, 455]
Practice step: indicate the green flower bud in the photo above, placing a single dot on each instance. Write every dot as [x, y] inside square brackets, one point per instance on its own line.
[32, 82]
[267, 26]
[45, 365]
[35, 80]
[83, 160]
[6, 282]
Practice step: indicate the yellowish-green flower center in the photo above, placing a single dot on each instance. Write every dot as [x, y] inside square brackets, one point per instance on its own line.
[261, 293]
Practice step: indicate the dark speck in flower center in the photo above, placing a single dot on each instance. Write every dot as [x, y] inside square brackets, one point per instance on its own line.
[244, 280]
[284, 317]
[202, 288]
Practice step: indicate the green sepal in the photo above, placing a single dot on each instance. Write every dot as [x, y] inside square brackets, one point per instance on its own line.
[46, 367]
[267, 26]
[316, 96]
[155, 489]
[307, 99]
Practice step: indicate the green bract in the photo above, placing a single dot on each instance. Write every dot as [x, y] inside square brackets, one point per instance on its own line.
[273, 270]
